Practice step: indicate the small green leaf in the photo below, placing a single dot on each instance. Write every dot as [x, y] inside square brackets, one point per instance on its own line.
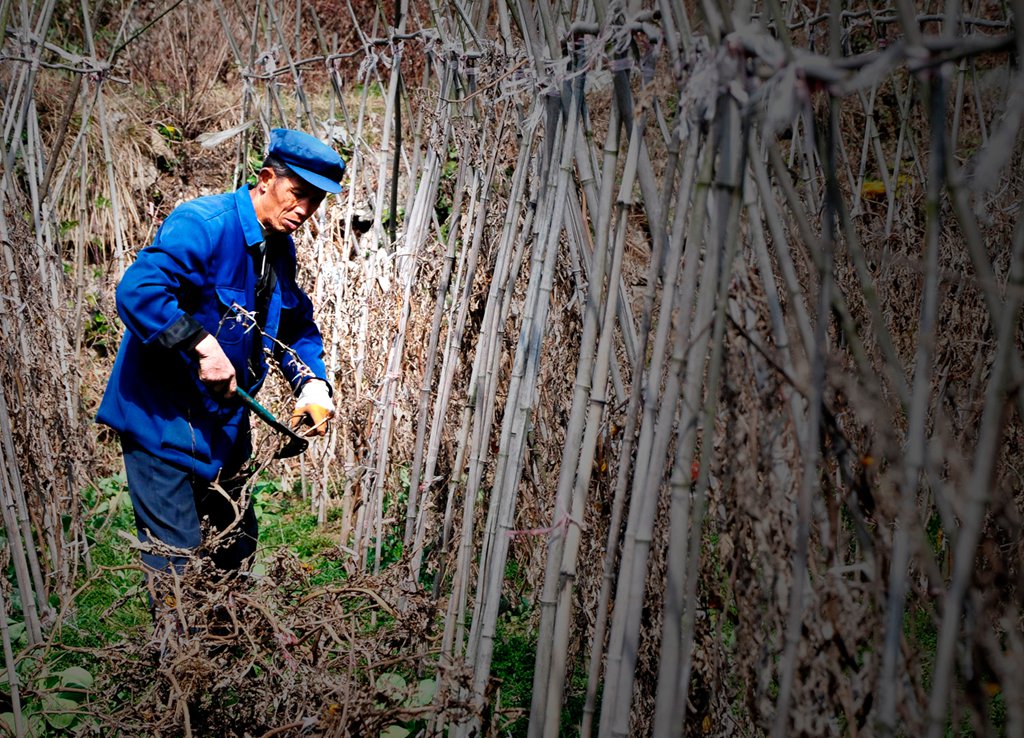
[395, 731]
[391, 680]
[75, 676]
[424, 693]
[392, 685]
[60, 711]
[36, 726]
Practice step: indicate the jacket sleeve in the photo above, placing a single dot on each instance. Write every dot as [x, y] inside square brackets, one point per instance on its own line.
[302, 356]
[166, 276]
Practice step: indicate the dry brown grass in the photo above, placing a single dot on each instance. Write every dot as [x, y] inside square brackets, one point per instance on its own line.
[274, 655]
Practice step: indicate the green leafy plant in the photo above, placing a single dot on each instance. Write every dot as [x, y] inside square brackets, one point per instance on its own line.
[393, 689]
[98, 332]
[169, 132]
[53, 706]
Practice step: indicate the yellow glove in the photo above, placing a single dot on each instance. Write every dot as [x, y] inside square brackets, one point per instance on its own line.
[313, 407]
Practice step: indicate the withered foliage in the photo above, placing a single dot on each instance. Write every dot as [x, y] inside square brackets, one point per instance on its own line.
[274, 654]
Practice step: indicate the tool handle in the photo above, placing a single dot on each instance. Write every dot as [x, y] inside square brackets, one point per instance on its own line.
[250, 402]
[266, 416]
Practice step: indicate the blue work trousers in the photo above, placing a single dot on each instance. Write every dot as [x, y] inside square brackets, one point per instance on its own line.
[173, 506]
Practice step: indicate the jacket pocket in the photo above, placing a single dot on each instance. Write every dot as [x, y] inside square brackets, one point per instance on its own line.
[235, 321]
[184, 437]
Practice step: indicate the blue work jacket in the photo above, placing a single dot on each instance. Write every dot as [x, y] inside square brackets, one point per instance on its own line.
[199, 272]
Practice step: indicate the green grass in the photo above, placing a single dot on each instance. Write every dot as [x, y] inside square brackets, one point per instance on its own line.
[110, 603]
[512, 663]
[286, 522]
[112, 600]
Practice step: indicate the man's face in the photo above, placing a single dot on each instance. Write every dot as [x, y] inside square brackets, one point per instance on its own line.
[284, 203]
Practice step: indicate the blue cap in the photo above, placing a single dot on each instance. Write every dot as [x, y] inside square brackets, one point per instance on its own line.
[308, 157]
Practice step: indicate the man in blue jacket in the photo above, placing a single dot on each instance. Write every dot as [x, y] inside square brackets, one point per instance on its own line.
[204, 306]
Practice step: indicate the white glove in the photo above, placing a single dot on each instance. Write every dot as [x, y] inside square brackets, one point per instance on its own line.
[315, 392]
[313, 407]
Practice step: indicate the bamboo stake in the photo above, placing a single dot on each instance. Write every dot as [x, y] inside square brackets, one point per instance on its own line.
[582, 242]
[529, 32]
[569, 466]
[108, 157]
[519, 405]
[80, 239]
[32, 144]
[417, 236]
[810, 442]
[782, 341]
[890, 215]
[781, 474]
[480, 399]
[333, 74]
[888, 178]
[1006, 366]
[689, 353]
[393, 100]
[895, 371]
[357, 174]
[730, 183]
[449, 362]
[980, 260]
[12, 671]
[655, 435]
[794, 295]
[595, 411]
[673, 257]
[55, 188]
[241, 147]
[471, 274]
[617, 668]
[479, 405]
[62, 131]
[433, 168]
[413, 174]
[987, 450]
[401, 11]
[13, 127]
[19, 534]
[586, 181]
[417, 230]
[484, 409]
[272, 97]
[917, 432]
[870, 135]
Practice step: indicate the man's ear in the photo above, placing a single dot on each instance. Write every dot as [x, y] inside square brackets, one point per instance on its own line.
[265, 178]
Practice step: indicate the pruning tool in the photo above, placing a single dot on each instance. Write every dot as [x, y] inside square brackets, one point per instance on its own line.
[296, 444]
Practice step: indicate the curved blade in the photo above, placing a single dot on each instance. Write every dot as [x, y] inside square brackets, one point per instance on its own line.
[295, 445]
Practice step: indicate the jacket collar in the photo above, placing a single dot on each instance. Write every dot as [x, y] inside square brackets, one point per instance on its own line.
[251, 229]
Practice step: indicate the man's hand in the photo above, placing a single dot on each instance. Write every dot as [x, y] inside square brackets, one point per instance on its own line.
[215, 369]
[313, 408]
